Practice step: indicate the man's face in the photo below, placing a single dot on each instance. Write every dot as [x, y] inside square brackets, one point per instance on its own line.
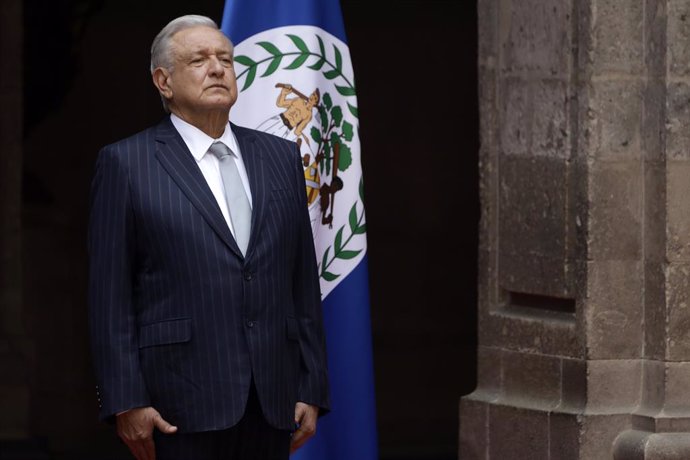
[203, 77]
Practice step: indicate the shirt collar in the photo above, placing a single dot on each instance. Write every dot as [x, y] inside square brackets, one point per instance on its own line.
[198, 142]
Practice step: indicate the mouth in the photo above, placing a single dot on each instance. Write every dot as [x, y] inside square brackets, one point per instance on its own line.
[217, 86]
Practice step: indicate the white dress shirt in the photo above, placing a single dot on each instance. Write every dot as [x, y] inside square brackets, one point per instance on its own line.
[198, 143]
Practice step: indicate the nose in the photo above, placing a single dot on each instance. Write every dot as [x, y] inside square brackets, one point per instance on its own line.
[215, 67]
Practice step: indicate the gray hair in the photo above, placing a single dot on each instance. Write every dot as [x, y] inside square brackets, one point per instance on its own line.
[161, 52]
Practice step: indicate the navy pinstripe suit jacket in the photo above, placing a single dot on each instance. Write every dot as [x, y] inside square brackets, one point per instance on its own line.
[180, 320]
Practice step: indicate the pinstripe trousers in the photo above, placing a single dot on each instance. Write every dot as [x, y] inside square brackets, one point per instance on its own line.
[251, 439]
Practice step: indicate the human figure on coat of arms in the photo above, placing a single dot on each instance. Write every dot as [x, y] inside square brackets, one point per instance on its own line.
[290, 124]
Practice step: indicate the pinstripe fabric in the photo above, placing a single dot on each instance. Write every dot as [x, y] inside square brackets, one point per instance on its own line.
[180, 320]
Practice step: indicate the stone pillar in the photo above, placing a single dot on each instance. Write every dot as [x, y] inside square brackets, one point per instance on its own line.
[584, 289]
[15, 348]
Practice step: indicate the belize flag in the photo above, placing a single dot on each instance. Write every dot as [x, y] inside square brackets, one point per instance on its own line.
[296, 81]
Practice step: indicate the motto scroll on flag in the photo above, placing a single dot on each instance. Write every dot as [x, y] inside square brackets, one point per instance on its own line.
[296, 81]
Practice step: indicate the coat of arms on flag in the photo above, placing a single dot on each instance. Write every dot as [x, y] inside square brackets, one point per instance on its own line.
[297, 83]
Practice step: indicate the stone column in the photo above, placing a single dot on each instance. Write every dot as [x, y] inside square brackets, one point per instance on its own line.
[15, 348]
[584, 324]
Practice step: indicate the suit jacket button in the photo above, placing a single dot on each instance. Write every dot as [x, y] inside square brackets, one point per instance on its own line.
[248, 275]
[250, 323]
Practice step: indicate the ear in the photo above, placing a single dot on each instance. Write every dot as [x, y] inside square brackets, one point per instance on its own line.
[161, 79]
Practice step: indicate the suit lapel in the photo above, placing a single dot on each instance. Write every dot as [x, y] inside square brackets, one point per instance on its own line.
[175, 157]
[254, 164]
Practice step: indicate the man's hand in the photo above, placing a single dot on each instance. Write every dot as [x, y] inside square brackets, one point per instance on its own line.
[305, 417]
[135, 427]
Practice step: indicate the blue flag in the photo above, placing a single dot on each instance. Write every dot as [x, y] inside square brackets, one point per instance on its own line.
[296, 81]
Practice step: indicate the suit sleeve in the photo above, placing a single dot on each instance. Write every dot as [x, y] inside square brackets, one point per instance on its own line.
[112, 314]
[313, 386]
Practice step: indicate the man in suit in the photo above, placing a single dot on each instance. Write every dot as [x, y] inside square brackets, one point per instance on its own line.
[204, 295]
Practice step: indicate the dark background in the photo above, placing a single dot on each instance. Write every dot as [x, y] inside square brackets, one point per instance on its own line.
[87, 84]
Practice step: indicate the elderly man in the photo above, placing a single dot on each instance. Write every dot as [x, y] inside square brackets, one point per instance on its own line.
[204, 294]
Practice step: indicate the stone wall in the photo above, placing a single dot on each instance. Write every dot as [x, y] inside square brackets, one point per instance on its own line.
[584, 327]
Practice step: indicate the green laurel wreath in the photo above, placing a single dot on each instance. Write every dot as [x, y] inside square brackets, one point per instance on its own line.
[302, 53]
[334, 129]
[357, 227]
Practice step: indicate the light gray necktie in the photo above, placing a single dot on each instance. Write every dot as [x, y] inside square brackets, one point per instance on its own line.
[235, 195]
